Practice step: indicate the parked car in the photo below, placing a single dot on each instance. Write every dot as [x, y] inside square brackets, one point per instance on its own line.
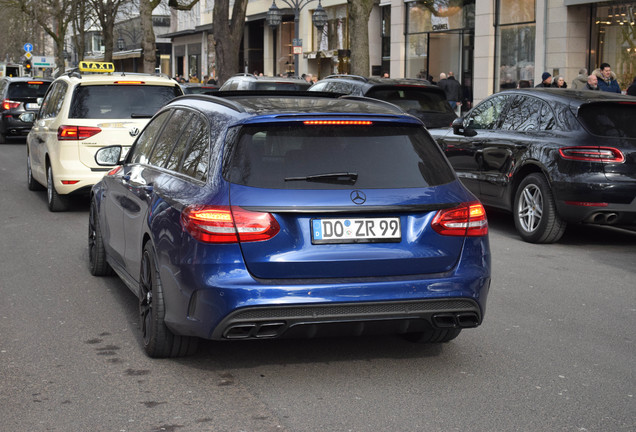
[246, 81]
[255, 217]
[199, 88]
[549, 156]
[19, 95]
[81, 113]
[415, 96]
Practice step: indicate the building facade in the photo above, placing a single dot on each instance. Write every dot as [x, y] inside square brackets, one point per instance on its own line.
[489, 45]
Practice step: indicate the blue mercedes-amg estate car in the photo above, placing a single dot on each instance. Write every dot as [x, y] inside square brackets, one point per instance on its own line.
[262, 216]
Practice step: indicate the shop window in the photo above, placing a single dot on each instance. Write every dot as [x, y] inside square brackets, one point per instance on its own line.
[515, 36]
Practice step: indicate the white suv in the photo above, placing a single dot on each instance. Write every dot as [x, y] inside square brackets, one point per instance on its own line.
[82, 112]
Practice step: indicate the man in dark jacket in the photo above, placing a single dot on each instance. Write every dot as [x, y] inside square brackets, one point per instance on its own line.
[607, 79]
[632, 88]
[546, 80]
[453, 90]
[592, 83]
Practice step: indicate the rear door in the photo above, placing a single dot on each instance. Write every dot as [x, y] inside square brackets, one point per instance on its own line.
[351, 200]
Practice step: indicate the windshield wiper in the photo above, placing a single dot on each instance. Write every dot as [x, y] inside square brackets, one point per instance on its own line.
[139, 115]
[336, 177]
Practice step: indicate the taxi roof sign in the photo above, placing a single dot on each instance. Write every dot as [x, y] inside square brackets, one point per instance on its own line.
[90, 66]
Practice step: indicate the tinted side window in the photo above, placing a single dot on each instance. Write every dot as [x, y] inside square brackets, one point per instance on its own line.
[180, 147]
[524, 114]
[143, 146]
[548, 121]
[197, 156]
[166, 142]
[487, 114]
[53, 100]
[609, 119]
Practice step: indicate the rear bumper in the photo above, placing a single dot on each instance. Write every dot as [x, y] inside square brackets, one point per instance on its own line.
[221, 304]
[355, 319]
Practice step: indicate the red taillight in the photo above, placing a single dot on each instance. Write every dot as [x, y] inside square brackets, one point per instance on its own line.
[468, 219]
[587, 204]
[35, 82]
[130, 82]
[221, 224]
[114, 171]
[9, 104]
[592, 154]
[339, 122]
[76, 132]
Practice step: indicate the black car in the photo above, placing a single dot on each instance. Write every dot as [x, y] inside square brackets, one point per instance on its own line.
[19, 95]
[415, 96]
[247, 81]
[549, 156]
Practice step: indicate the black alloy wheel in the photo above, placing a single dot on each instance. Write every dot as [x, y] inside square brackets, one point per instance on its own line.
[158, 340]
[534, 211]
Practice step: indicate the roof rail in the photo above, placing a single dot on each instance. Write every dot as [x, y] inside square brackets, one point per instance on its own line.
[72, 72]
[356, 77]
[395, 108]
[419, 80]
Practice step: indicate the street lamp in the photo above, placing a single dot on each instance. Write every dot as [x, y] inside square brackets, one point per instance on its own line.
[275, 16]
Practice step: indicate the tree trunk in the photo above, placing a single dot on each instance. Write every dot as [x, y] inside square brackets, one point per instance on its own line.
[148, 44]
[227, 36]
[359, 12]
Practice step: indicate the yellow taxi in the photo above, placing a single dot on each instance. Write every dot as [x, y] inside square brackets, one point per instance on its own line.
[84, 110]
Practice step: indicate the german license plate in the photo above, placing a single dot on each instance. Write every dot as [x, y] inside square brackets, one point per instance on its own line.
[32, 106]
[358, 230]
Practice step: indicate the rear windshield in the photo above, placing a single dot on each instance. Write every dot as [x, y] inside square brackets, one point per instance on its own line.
[412, 98]
[279, 85]
[609, 119]
[27, 89]
[120, 101]
[295, 156]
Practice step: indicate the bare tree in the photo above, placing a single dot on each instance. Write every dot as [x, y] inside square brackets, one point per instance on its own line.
[228, 33]
[21, 28]
[359, 12]
[82, 20]
[53, 16]
[106, 11]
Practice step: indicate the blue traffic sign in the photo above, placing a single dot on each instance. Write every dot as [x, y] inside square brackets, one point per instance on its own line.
[28, 47]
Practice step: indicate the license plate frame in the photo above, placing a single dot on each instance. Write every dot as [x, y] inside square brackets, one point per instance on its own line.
[356, 230]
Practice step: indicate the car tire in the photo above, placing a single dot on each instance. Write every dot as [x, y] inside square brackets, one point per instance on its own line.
[158, 340]
[534, 211]
[3, 138]
[32, 183]
[55, 202]
[434, 335]
[97, 263]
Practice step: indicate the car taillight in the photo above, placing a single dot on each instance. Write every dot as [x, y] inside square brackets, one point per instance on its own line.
[9, 104]
[76, 132]
[592, 154]
[468, 219]
[222, 224]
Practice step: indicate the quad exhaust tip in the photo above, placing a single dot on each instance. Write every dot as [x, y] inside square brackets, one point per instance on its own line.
[457, 320]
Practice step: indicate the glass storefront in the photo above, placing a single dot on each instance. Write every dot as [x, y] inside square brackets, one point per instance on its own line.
[515, 50]
[614, 39]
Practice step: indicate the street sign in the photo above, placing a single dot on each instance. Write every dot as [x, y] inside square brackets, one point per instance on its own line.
[28, 55]
[43, 62]
[28, 47]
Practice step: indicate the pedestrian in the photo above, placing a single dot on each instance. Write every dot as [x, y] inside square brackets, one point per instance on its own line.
[523, 84]
[453, 90]
[592, 83]
[546, 80]
[386, 75]
[580, 81]
[607, 79]
[632, 88]
[559, 82]
[193, 78]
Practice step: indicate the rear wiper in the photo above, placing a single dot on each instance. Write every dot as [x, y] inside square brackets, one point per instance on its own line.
[138, 115]
[336, 177]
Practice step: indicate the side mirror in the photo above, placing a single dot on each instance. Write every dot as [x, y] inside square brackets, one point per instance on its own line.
[27, 117]
[459, 129]
[108, 156]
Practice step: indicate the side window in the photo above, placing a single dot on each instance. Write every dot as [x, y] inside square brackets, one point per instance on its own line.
[524, 114]
[487, 115]
[182, 144]
[196, 161]
[548, 121]
[166, 142]
[53, 100]
[140, 152]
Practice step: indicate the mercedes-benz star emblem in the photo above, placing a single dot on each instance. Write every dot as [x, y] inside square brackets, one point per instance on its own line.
[358, 197]
[133, 131]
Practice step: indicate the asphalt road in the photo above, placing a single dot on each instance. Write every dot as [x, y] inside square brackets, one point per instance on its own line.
[556, 351]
